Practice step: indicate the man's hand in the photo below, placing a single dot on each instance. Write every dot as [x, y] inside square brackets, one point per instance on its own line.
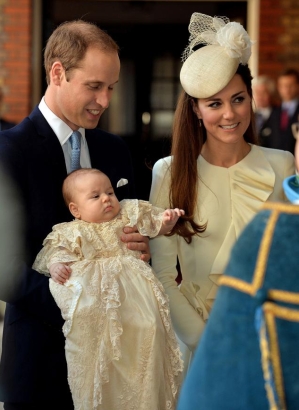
[60, 272]
[136, 242]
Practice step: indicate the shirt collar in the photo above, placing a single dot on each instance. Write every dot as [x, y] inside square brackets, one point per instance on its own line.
[60, 128]
[290, 106]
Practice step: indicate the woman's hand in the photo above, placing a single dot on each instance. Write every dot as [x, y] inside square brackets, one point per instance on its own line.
[136, 242]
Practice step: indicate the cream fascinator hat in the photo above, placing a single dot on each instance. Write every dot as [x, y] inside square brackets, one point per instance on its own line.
[209, 69]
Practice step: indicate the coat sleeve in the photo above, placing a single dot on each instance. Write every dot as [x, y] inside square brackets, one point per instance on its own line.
[188, 325]
[24, 288]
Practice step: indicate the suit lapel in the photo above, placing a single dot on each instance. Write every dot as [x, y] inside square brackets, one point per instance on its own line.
[49, 143]
[93, 143]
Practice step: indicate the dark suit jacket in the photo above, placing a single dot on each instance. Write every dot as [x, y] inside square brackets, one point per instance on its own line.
[33, 366]
[5, 125]
[272, 136]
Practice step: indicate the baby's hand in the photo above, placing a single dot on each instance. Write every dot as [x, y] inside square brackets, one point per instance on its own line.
[60, 272]
[172, 215]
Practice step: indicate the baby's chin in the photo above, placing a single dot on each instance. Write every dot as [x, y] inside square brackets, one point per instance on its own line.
[104, 218]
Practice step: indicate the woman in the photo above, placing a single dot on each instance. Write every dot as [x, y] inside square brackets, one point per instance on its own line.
[255, 319]
[216, 173]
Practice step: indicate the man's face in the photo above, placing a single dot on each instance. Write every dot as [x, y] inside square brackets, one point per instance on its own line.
[79, 97]
[287, 87]
[261, 96]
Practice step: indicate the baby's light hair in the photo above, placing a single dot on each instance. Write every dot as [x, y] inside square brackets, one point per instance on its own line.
[69, 182]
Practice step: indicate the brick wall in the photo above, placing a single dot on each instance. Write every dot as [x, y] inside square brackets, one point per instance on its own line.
[279, 36]
[278, 48]
[15, 57]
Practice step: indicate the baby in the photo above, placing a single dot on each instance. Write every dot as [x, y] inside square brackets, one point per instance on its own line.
[121, 350]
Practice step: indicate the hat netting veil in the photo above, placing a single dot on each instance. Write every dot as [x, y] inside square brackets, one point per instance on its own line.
[207, 30]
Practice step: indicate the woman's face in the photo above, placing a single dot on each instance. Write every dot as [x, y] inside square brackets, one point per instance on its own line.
[226, 115]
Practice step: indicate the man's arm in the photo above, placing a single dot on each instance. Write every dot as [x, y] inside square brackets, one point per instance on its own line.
[20, 285]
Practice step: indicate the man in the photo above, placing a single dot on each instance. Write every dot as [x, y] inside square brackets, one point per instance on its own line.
[82, 67]
[280, 124]
[263, 88]
[4, 125]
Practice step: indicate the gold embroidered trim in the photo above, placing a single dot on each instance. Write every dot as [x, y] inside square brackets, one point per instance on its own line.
[261, 263]
[260, 268]
[272, 312]
[281, 312]
[273, 294]
[275, 356]
[265, 356]
[270, 350]
[262, 258]
[237, 284]
[283, 296]
[281, 207]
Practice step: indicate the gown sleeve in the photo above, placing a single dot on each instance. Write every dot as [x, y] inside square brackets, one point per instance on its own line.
[146, 217]
[62, 245]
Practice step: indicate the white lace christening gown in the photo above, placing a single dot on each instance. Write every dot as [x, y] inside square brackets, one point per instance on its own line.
[121, 351]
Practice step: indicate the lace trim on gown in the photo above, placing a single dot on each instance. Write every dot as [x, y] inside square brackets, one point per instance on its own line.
[84, 245]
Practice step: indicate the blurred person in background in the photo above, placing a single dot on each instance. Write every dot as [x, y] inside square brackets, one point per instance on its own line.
[264, 93]
[286, 114]
[11, 239]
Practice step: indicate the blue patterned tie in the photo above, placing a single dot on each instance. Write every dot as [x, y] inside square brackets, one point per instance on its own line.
[76, 146]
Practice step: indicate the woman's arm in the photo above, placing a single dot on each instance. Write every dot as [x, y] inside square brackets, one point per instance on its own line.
[188, 324]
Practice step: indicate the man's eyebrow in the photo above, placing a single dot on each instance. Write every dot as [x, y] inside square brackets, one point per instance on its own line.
[98, 82]
[93, 82]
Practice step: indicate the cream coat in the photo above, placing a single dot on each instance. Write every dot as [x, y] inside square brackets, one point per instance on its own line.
[228, 198]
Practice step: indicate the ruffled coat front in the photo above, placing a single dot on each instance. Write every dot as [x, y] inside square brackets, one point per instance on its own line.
[120, 347]
[228, 198]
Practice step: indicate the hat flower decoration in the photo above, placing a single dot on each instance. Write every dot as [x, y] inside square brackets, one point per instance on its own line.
[209, 69]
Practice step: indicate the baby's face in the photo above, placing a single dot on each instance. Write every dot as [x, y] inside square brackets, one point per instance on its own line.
[95, 198]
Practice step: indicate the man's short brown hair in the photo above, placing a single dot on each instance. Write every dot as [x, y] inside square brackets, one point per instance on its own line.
[69, 42]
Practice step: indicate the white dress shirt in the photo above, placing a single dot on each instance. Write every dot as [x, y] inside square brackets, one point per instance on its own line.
[63, 133]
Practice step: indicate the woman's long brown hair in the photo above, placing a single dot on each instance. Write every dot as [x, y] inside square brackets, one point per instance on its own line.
[188, 137]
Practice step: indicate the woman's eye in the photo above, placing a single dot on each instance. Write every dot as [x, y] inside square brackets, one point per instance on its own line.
[214, 105]
[239, 99]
